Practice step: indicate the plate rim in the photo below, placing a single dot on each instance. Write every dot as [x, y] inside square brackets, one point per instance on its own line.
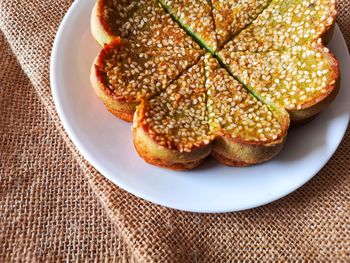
[95, 163]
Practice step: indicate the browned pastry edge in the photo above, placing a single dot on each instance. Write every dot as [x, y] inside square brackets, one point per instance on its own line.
[235, 152]
[239, 152]
[99, 27]
[312, 108]
[227, 161]
[148, 157]
[304, 116]
[228, 150]
[105, 37]
[123, 108]
[158, 155]
[328, 31]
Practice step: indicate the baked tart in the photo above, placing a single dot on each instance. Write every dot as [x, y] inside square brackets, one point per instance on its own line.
[211, 77]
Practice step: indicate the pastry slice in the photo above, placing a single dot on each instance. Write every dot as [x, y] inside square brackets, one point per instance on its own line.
[195, 16]
[232, 16]
[247, 130]
[123, 73]
[302, 79]
[286, 23]
[144, 51]
[171, 130]
[143, 23]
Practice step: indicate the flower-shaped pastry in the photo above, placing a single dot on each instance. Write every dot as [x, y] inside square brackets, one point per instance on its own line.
[213, 77]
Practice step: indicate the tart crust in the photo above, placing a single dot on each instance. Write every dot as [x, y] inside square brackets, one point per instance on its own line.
[99, 30]
[156, 154]
[237, 152]
[121, 108]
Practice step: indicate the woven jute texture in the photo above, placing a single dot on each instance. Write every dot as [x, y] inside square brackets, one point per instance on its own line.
[55, 207]
[47, 209]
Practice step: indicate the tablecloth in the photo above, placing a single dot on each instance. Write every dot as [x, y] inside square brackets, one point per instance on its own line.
[54, 206]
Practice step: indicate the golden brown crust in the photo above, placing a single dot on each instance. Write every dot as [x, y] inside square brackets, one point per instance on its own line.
[310, 110]
[235, 152]
[103, 35]
[158, 155]
[155, 154]
[123, 108]
[149, 158]
[238, 152]
[125, 116]
[99, 27]
[328, 31]
[228, 150]
[227, 161]
[307, 114]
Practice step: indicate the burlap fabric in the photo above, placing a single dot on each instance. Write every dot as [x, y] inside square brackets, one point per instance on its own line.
[55, 207]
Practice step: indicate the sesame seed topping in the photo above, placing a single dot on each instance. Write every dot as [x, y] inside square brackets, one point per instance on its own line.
[284, 24]
[154, 51]
[177, 118]
[195, 16]
[234, 110]
[231, 16]
[276, 52]
[284, 77]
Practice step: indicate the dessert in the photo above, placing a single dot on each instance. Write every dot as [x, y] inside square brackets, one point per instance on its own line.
[220, 78]
[171, 130]
[207, 111]
[286, 23]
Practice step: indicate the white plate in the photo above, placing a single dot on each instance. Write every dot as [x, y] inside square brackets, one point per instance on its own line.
[106, 142]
